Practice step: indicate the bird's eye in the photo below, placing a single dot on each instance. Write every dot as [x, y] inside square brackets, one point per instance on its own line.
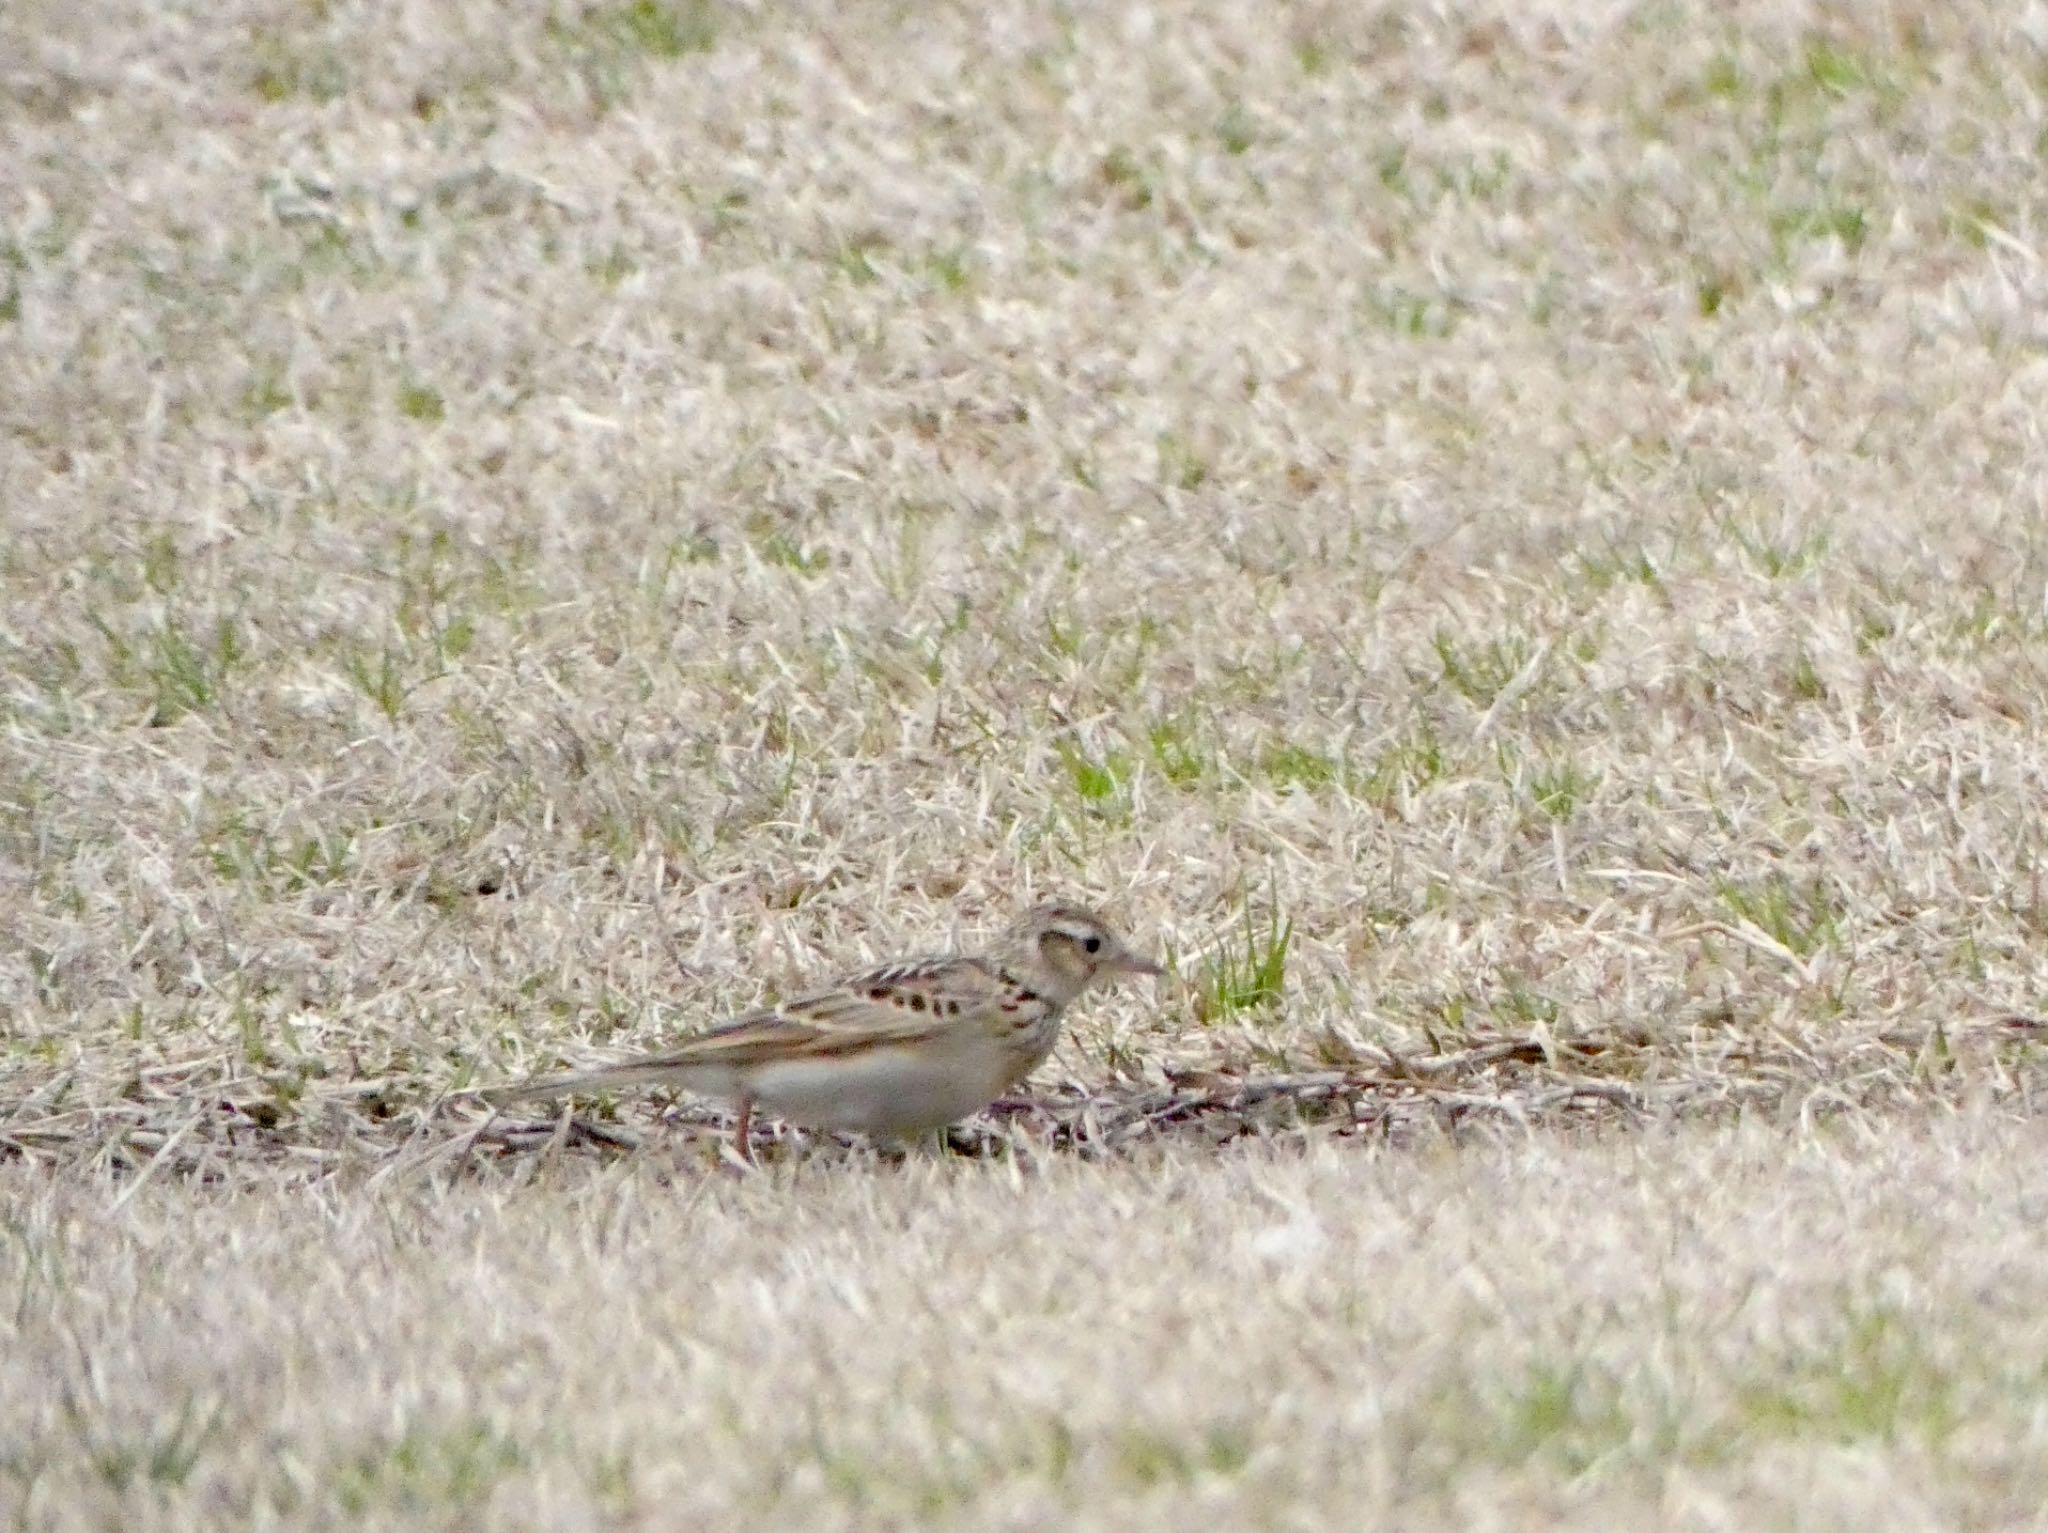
[1093, 944]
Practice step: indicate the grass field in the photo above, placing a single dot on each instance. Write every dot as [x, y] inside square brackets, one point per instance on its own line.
[1506, 541]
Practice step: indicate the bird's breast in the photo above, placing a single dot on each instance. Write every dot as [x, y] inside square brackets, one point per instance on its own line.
[887, 1090]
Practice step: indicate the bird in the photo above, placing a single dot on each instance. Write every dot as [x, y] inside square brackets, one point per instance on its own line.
[894, 1051]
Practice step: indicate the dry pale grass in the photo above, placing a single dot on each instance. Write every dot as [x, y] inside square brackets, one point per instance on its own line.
[1507, 539]
[1702, 1329]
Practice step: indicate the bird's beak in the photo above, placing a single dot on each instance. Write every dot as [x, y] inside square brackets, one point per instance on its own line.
[1133, 963]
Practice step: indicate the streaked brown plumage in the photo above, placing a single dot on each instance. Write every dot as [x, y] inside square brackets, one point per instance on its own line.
[898, 1049]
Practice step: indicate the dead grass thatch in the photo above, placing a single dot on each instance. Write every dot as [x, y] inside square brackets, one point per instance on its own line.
[1505, 539]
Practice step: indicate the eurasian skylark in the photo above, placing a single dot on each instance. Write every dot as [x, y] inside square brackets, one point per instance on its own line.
[901, 1049]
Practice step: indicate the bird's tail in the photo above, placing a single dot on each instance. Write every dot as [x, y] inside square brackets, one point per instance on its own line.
[636, 1072]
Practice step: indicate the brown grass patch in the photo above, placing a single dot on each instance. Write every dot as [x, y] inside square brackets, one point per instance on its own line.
[1505, 540]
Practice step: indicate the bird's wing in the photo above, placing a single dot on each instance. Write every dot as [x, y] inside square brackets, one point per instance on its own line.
[898, 1003]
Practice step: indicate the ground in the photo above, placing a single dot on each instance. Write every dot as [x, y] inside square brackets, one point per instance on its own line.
[1504, 541]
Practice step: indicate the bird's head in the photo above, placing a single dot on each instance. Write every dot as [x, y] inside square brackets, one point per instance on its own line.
[1074, 947]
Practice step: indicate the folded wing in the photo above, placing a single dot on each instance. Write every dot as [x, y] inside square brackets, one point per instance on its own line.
[904, 1003]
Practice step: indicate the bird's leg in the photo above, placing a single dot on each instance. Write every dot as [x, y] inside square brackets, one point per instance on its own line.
[743, 1130]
